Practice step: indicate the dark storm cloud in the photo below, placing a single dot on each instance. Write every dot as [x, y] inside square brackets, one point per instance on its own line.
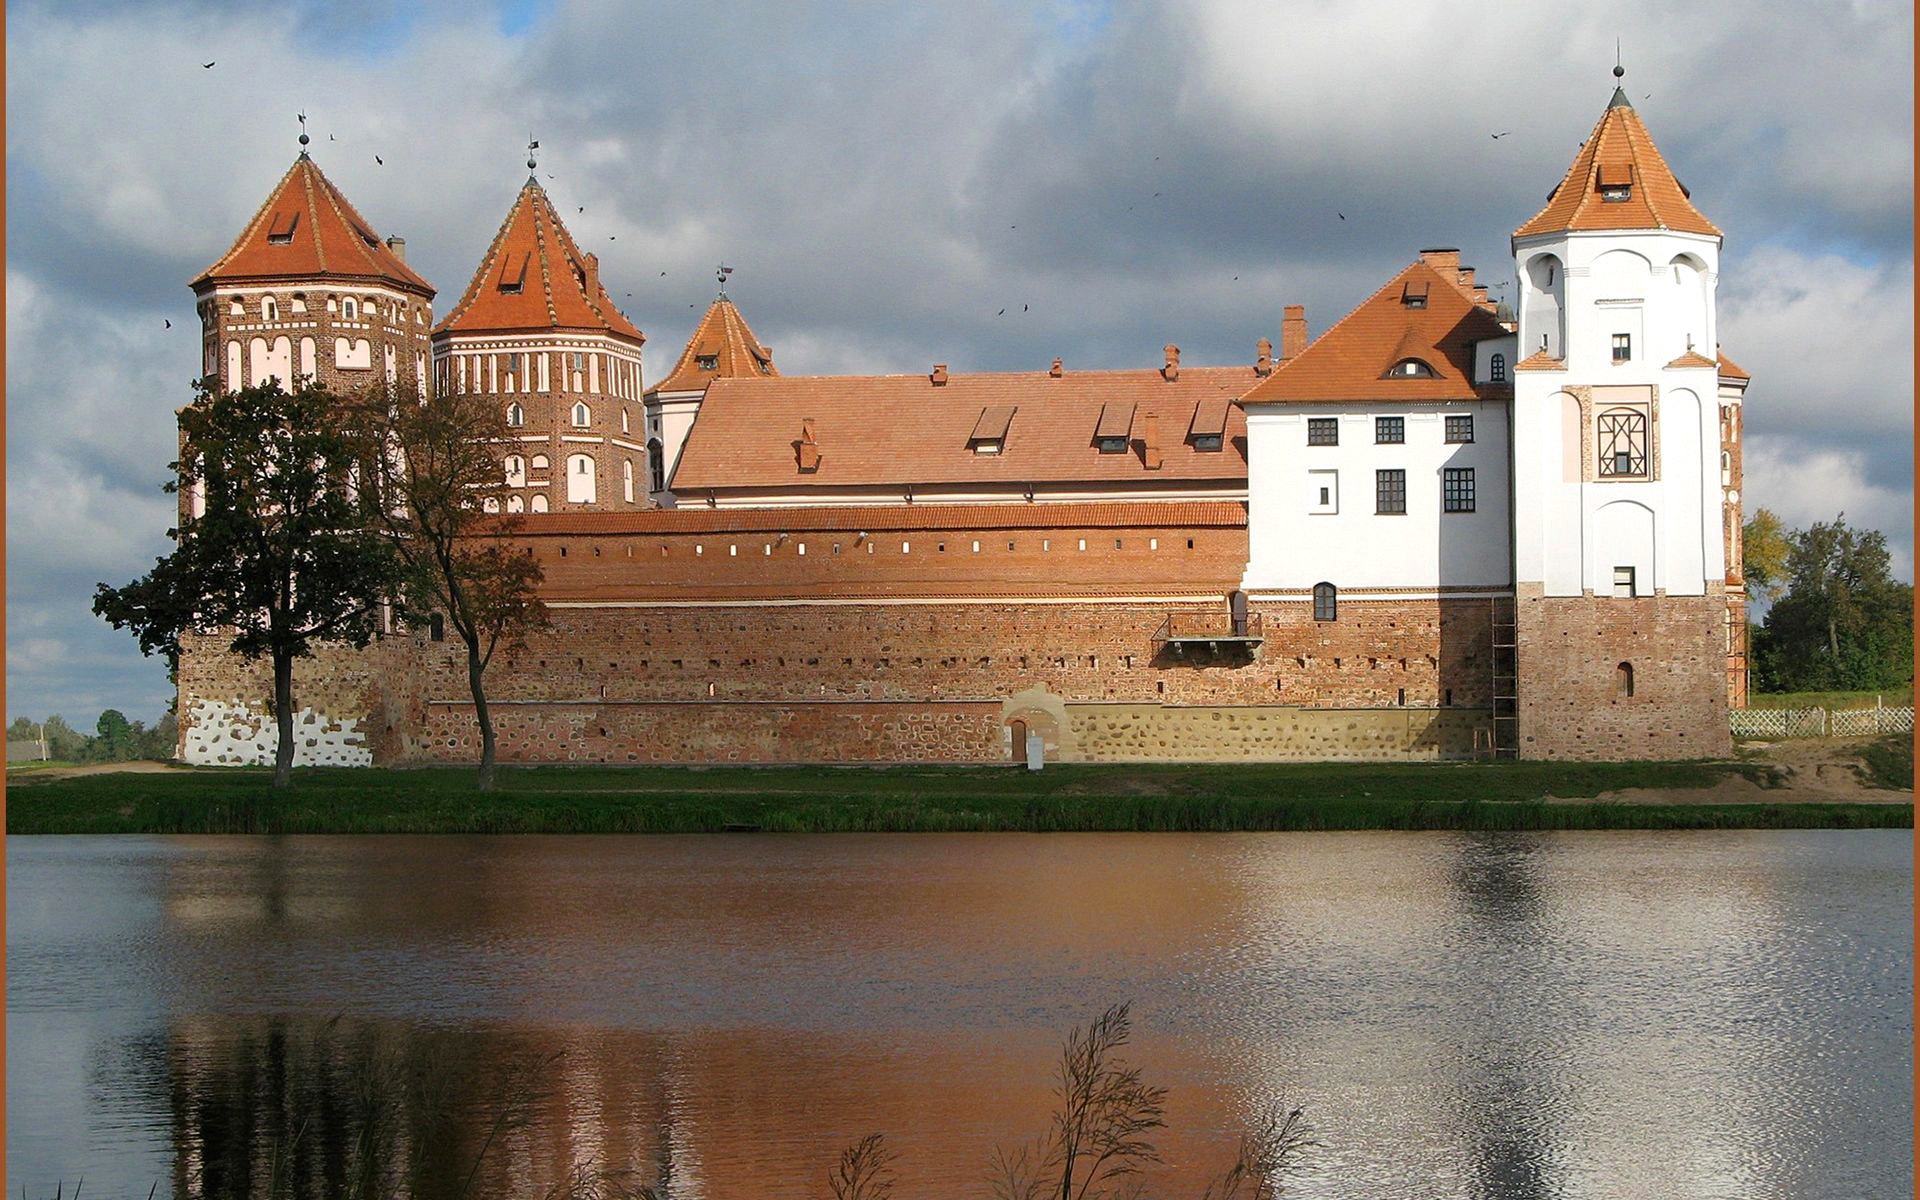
[886, 178]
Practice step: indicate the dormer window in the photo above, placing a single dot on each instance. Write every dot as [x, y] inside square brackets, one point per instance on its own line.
[1209, 443]
[986, 445]
[513, 276]
[1413, 293]
[707, 362]
[1614, 181]
[280, 232]
[1410, 368]
[1115, 428]
[1111, 445]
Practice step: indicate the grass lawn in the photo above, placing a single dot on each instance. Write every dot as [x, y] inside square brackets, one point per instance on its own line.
[1897, 698]
[587, 799]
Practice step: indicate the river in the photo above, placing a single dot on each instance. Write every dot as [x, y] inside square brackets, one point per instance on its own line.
[1504, 1016]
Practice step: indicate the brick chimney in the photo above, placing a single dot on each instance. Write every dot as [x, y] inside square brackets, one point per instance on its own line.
[1444, 259]
[1056, 369]
[1293, 331]
[807, 449]
[939, 376]
[1150, 441]
[1171, 372]
[398, 245]
[592, 264]
[1263, 357]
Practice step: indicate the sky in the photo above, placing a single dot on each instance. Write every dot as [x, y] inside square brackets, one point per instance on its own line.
[884, 178]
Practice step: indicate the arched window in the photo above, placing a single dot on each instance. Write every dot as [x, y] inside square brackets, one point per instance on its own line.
[1497, 369]
[515, 504]
[580, 479]
[1623, 443]
[626, 479]
[516, 416]
[1410, 368]
[270, 309]
[540, 462]
[1623, 680]
[516, 470]
[539, 502]
[490, 504]
[1326, 602]
[626, 426]
[582, 415]
[349, 310]
[656, 466]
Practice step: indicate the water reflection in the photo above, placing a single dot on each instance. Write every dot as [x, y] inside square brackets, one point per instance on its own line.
[1505, 1017]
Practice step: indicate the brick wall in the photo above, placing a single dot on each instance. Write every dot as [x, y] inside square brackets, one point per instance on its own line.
[1572, 699]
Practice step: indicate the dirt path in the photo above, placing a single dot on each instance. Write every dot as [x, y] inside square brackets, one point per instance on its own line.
[142, 767]
[1805, 771]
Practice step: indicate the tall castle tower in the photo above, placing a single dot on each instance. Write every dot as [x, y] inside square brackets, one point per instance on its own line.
[537, 330]
[310, 291]
[722, 347]
[1620, 516]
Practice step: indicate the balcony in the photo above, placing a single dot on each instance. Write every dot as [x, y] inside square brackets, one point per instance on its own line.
[1208, 635]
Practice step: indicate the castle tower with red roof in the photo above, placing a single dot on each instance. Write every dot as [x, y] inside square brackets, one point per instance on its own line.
[722, 347]
[537, 331]
[1628, 602]
[309, 291]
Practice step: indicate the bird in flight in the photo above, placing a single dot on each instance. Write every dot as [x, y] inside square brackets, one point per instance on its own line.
[663, 274]
[169, 324]
[1341, 215]
[1001, 313]
[378, 161]
[1023, 308]
[207, 66]
[583, 208]
[613, 237]
[332, 138]
[1497, 136]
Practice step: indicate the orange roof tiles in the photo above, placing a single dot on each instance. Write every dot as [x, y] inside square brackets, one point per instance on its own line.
[1350, 361]
[900, 430]
[1619, 151]
[1732, 370]
[1692, 358]
[1224, 514]
[534, 277]
[1540, 360]
[306, 227]
[723, 337]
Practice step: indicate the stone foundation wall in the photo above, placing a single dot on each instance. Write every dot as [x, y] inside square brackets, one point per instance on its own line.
[1573, 699]
[1272, 733]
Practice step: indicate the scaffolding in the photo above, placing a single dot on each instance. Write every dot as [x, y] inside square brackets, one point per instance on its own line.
[1503, 624]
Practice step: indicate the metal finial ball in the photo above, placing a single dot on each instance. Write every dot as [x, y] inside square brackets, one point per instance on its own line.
[1619, 72]
[303, 139]
[531, 164]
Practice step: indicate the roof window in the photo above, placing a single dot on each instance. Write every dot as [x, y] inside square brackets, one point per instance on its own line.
[280, 232]
[512, 279]
[1413, 293]
[1410, 368]
[989, 434]
[1115, 427]
[707, 362]
[1614, 181]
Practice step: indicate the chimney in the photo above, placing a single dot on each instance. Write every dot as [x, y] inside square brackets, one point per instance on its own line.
[807, 449]
[1055, 369]
[1263, 357]
[593, 274]
[1480, 296]
[398, 245]
[1171, 372]
[1293, 331]
[939, 376]
[1444, 259]
[1150, 441]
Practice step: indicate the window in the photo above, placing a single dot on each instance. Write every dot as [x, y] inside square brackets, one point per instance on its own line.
[580, 479]
[1112, 445]
[707, 362]
[1411, 368]
[348, 309]
[516, 416]
[1497, 369]
[1323, 431]
[538, 503]
[1622, 347]
[1323, 492]
[515, 504]
[1459, 430]
[1389, 491]
[582, 415]
[579, 360]
[1208, 443]
[269, 309]
[516, 470]
[540, 462]
[1389, 431]
[513, 363]
[1326, 602]
[1623, 443]
[1623, 680]
[1456, 489]
[1624, 586]
[626, 423]
[626, 479]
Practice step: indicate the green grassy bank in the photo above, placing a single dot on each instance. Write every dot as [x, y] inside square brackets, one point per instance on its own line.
[1307, 796]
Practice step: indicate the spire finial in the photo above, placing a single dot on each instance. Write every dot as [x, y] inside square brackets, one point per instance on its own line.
[721, 272]
[303, 133]
[532, 162]
[1619, 73]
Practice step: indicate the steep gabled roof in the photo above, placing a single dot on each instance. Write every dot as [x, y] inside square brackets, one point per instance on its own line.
[1621, 149]
[724, 337]
[534, 277]
[1730, 369]
[898, 430]
[307, 228]
[1351, 360]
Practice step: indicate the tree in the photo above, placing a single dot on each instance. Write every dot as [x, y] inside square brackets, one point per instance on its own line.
[282, 557]
[64, 742]
[1844, 622]
[1765, 543]
[442, 488]
[115, 740]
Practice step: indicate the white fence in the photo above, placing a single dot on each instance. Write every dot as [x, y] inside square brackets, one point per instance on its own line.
[1818, 722]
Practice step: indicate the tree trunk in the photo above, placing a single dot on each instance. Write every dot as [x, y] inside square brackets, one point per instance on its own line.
[283, 715]
[1833, 641]
[476, 683]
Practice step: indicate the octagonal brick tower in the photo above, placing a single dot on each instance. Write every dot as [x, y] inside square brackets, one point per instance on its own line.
[537, 331]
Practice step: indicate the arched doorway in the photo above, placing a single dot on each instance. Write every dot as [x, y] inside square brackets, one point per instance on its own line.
[1017, 743]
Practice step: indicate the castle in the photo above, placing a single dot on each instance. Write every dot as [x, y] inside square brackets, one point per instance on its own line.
[1435, 530]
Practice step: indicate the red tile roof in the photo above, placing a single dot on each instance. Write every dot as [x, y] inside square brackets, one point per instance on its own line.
[1222, 514]
[1351, 360]
[534, 277]
[1732, 370]
[1619, 150]
[723, 336]
[307, 228]
[902, 430]
[1692, 358]
[1540, 360]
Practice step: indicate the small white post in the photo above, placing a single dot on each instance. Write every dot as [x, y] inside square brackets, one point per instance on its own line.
[1036, 751]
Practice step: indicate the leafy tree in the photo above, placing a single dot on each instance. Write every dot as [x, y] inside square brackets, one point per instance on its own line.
[442, 488]
[1765, 543]
[282, 558]
[64, 742]
[115, 740]
[1844, 623]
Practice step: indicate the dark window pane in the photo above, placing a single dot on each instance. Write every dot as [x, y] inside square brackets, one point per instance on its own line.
[1389, 431]
[1323, 431]
[1390, 491]
[1459, 430]
[1456, 484]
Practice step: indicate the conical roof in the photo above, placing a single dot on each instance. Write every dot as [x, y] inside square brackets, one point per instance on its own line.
[306, 227]
[1621, 150]
[534, 277]
[723, 338]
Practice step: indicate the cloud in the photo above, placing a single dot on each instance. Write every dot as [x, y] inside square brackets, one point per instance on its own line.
[886, 178]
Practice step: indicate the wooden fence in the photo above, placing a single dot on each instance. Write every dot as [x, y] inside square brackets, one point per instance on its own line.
[1819, 722]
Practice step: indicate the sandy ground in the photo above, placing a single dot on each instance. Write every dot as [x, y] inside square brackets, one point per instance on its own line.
[144, 767]
[1806, 771]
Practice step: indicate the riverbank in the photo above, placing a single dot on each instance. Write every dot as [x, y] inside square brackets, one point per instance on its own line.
[1131, 797]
